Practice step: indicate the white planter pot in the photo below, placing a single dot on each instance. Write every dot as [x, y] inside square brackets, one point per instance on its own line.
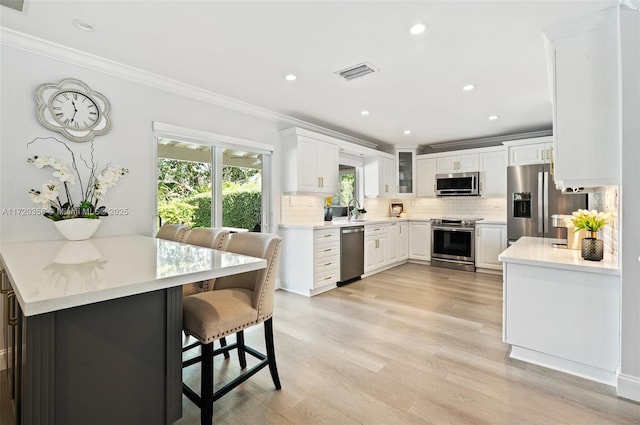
[77, 229]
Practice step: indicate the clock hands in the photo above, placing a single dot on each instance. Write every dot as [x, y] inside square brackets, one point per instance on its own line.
[75, 110]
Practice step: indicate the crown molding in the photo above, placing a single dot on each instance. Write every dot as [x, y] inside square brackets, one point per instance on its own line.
[39, 46]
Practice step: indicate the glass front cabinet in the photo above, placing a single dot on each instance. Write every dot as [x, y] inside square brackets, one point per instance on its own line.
[406, 172]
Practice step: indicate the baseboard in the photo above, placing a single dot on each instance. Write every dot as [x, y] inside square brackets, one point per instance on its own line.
[489, 271]
[628, 387]
[563, 365]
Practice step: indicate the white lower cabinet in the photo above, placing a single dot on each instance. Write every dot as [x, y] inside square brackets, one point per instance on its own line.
[310, 260]
[563, 319]
[376, 246]
[420, 240]
[491, 240]
[398, 242]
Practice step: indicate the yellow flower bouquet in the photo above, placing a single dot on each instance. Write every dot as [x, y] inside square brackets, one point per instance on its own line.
[591, 221]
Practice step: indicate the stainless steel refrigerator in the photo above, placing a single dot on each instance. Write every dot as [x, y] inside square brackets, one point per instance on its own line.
[532, 198]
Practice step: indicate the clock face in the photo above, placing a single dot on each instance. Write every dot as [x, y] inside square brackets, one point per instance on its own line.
[74, 110]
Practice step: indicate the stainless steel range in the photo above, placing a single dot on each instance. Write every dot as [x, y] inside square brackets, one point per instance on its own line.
[453, 243]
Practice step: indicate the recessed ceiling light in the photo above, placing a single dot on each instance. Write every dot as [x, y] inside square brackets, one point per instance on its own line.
[365, 113]
[407, 132]
[290, 77]
[468, 87]
[418, 28]
[83, 25]
[494, 117]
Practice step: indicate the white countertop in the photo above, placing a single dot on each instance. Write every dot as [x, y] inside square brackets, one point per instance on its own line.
[539, 252]
[492, 221]
[343, 223]
[53, 275]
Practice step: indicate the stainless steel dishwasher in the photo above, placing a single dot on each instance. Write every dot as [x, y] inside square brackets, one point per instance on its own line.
[351, 254]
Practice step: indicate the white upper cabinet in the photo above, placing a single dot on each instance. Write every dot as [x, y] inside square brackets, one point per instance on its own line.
[426, 177]
[379, 176]
[310, 165]
[538, 150]
[457, 163]
[493, 172]
[406, 172]
[584, 66]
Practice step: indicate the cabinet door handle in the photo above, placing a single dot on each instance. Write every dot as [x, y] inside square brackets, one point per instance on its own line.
[327, 236]
[12, 320]
[3, 290]
[328, 277]
[328, 264]
[328, 249]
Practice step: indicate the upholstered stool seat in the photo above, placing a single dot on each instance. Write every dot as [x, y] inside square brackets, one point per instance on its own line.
[216, 314]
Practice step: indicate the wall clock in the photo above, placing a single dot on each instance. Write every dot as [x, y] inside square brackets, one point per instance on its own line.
[73, 109]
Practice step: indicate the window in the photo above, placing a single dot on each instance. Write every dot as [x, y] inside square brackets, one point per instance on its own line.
[212, 183]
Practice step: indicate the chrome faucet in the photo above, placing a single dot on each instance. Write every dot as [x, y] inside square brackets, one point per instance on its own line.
[353, 213]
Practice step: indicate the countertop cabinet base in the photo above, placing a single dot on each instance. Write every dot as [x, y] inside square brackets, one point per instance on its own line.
[88, 365]
[563, 319]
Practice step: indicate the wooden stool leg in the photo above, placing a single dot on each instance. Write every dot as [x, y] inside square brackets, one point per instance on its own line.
[206, 385]
[223, 343]
[242, 357]
[271, 353]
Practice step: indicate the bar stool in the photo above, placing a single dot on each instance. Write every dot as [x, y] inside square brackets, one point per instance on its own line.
[235, 303]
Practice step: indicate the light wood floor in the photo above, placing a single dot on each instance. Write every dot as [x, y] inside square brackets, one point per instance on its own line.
[412, 345]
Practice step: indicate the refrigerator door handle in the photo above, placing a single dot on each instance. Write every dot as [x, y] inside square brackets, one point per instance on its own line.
[540, 201]
[545, 194]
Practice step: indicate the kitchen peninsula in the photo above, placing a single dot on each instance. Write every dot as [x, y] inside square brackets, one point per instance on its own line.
[561, 311]
[98, 326]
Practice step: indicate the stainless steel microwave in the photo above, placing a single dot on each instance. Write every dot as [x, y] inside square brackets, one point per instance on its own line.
[458, 184]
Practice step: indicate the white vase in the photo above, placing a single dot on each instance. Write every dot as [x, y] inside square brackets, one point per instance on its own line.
[77, 229]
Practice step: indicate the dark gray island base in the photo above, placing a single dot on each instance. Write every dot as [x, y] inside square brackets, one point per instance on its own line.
[99, 363]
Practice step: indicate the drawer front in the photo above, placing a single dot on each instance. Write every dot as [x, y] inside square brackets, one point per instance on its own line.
[326, 277]
[375, 230]
[322, 264]
[326, 235]
[323, 250]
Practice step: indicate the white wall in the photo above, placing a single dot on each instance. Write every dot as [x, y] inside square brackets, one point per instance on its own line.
[129, 143]
[629, 379]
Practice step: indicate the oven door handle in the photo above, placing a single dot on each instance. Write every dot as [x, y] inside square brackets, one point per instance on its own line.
[454, 229]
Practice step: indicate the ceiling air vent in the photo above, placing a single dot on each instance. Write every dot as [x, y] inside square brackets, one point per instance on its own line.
[356, 71]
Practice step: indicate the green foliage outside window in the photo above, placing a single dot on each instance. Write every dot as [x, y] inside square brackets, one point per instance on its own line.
[184, 194]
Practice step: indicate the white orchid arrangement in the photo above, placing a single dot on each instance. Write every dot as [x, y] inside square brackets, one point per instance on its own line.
[55, 195]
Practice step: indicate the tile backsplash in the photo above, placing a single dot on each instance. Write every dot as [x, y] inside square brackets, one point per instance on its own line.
[606, 199]
[309, 209]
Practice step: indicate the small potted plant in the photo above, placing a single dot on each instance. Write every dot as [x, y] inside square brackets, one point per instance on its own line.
[590, 221]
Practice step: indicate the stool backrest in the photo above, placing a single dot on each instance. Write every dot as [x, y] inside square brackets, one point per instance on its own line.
[209, 237]
[172, 232]
[261, 282]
